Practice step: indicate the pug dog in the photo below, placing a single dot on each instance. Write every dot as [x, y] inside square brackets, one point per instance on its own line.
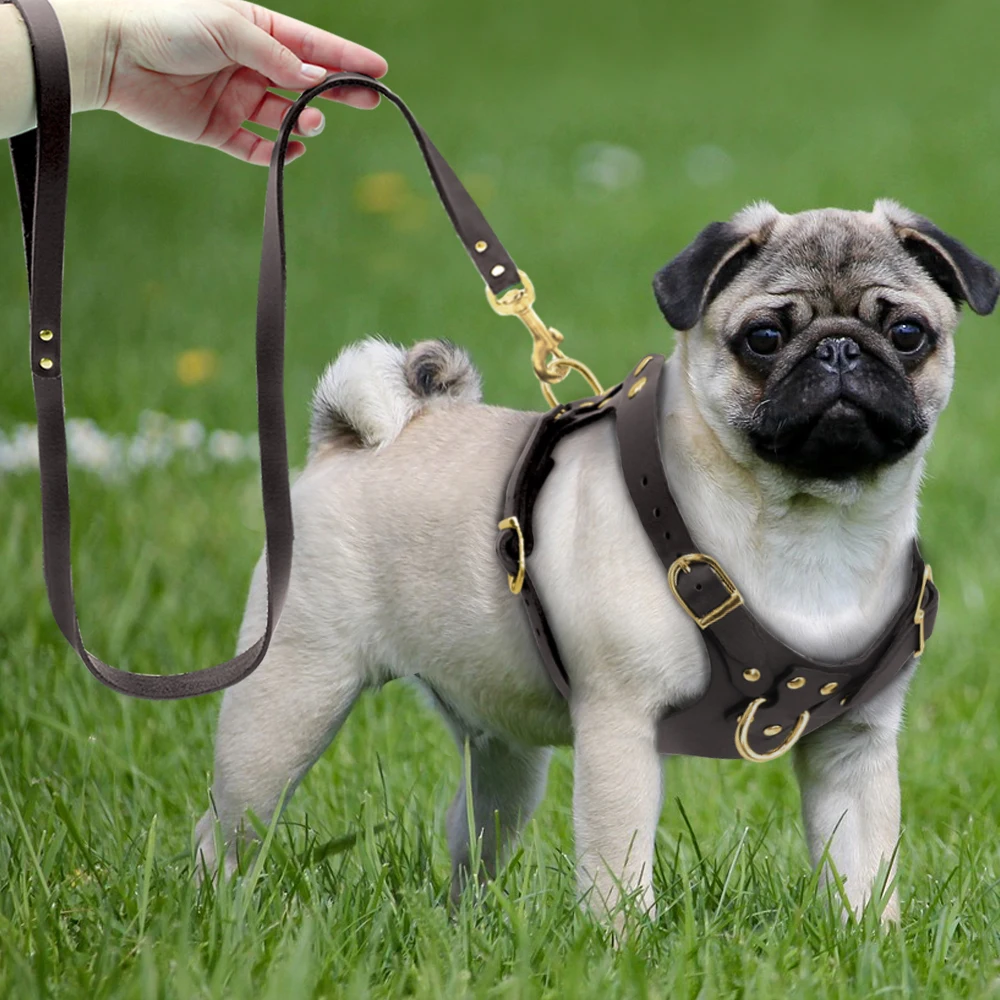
[813, 357]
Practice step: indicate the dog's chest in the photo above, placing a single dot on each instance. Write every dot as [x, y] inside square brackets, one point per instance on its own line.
[825, 588]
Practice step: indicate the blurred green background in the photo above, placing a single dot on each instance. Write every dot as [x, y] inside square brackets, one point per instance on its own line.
[599, 139]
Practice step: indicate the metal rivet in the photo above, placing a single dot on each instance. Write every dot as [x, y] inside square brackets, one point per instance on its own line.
[829, 688]
[481, 246]
[642, 364]
[796, 682]
[843, 701]
[772, 730]
[637, 387]
[45, 334]
[752, 675]
[498, 270]
[46, 363]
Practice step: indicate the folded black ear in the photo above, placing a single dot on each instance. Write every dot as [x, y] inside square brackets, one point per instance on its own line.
[963, 275]
[686, 285]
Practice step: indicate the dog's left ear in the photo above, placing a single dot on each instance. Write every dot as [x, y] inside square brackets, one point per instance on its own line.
[686, 285]
[961, 273]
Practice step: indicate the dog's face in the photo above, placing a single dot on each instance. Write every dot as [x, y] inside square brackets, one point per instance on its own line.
[822, 342]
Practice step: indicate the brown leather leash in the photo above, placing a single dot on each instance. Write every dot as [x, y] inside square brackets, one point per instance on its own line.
[41, 169]
[763, 696]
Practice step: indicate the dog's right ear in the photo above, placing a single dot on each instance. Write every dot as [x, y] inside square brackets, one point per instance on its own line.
[686, 285]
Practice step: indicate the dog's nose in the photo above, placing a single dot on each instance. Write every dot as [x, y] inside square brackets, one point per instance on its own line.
[838, 354]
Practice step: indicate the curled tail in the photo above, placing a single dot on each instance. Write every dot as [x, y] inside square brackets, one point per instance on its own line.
[373, 389]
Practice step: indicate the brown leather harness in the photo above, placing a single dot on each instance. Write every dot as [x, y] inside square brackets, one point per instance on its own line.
[762, 695]
[759, 688]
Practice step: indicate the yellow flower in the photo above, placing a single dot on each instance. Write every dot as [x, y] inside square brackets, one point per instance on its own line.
[382, 193]
[197, 365]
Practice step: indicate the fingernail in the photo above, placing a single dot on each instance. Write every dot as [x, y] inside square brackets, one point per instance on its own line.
[316, 129]
[313, 72]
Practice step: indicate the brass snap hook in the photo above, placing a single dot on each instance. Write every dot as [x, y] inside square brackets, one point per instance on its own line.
[520, 302]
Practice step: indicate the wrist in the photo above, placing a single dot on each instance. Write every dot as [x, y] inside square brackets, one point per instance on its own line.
[90, 31]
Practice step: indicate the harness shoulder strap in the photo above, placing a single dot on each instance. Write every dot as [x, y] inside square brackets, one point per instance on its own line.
[41, 167]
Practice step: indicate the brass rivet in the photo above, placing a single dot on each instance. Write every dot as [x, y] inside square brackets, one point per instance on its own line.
[796, 682]
[604, 402]
[46, 363]
[752, 675]
[772, 730]
[843, 701]
[481, 246]
[829, 688]
[45, 334]
[637, 387]
[642, 364]
[498, 270]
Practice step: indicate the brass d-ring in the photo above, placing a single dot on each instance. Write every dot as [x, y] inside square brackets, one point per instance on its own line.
[515, 582]
[743, 735]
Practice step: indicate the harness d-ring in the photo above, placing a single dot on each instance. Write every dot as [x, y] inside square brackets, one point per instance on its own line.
[747, 752]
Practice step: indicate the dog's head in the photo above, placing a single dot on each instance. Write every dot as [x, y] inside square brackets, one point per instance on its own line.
[822, 342]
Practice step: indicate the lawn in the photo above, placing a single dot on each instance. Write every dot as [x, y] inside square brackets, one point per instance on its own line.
[599, 140]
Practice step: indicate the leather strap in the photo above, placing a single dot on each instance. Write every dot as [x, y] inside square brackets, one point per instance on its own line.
[41, 167]
[747, 662]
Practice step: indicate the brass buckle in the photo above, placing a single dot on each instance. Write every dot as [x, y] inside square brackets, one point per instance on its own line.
[683, 564]
[743, 725]
[515, 582]
[520, 302]
[918, 618]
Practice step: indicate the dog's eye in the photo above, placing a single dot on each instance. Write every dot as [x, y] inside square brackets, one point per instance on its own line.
[907, 336]
[764, 339]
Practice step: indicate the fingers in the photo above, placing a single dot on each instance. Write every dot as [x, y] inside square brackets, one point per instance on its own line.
[355, 97]
[321, 48]
[272, 109]
[255, 149]
[250, 46]
[293, 48]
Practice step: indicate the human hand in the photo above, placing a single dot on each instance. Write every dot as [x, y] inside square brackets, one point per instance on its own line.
[198, 69]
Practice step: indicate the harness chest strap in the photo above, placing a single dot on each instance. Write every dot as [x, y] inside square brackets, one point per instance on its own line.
[762, 695]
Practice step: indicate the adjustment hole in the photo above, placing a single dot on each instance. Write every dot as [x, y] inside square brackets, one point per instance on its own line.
[697, 586]
[656, 514]
[666, 535]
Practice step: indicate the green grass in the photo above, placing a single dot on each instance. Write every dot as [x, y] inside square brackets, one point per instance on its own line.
[813, 104]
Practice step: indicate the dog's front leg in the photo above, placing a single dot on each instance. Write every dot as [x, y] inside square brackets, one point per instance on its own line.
[849, 776]
[617, 796]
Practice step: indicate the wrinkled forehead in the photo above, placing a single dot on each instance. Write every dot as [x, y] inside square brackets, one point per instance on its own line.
[833, 258]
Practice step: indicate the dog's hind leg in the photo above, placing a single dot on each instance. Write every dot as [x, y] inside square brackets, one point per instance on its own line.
[507, 783]
[272, 728]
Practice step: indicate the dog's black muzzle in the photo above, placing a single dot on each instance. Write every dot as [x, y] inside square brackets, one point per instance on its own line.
[838, 413]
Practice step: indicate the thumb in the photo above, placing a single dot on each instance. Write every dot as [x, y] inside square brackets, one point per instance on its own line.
[251, 46]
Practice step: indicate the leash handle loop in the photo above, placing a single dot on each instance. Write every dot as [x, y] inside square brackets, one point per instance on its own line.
[41, 169]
